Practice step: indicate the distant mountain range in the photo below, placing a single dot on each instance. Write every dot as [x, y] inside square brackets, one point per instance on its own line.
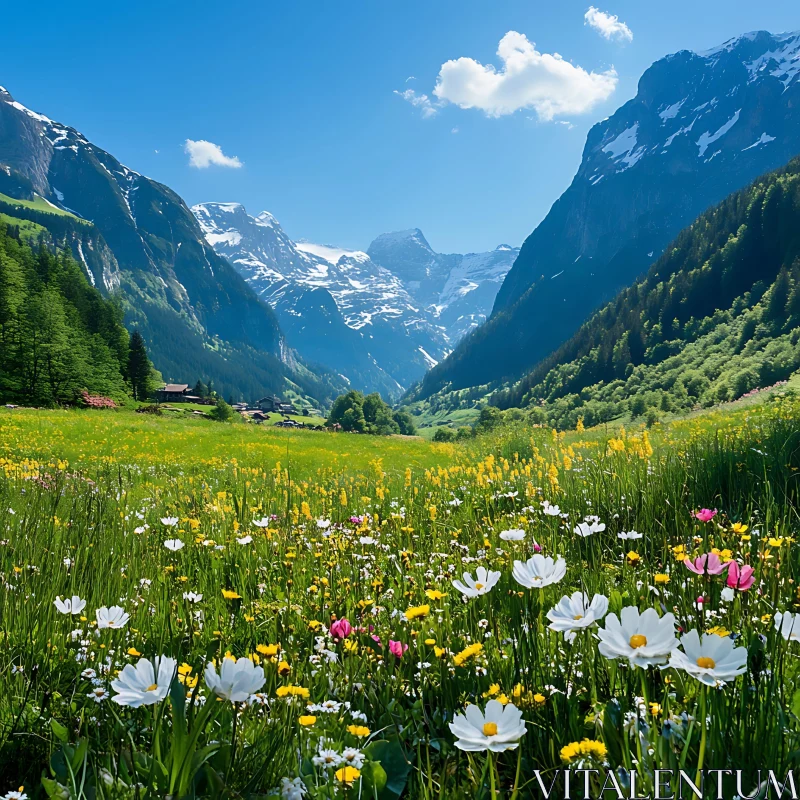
[379, 318]
[198, 316]
[701, 126]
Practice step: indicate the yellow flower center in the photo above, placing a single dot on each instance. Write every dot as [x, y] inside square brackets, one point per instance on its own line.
[490, 729]
[152, 687]
[479, 586]
[638, 640]
[706, 663]
[578, 616]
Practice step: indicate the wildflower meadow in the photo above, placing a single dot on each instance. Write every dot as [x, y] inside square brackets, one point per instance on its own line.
[191, 610]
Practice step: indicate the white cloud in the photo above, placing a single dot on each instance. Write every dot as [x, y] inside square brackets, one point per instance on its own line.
[454, 130]
[421, 101]
[544, 82]
[608, 25]
[203, 154]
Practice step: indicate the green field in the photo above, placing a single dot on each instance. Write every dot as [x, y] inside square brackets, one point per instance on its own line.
[37, 204]
[221, 542]
[27, 229]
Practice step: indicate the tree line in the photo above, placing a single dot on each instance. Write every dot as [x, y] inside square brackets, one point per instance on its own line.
[714, 318]
[58, 335]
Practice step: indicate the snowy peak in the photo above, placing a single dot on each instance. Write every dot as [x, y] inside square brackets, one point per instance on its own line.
[409, 303]
[695, 108]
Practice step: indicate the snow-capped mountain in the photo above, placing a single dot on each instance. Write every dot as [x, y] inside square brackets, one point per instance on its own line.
[457, 290]
[384, 341]
[396, 309]
[199, 317]
[701, 126]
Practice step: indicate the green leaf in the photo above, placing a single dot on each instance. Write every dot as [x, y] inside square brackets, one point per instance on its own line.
[61, 733]
[374, 778]
[393, 761]
[796, 703]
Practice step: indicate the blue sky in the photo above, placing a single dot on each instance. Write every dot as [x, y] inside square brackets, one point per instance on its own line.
[303, 94]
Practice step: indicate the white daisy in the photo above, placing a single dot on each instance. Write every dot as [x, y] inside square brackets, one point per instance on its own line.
[644, 639]
[539, 571]
[483, 582]
[497, 729]
[576, 613]
[713, 660]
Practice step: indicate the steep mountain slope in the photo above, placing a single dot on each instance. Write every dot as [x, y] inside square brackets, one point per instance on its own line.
[717, 316]
[380, 318]
[58, 335]
[197, 314]
[701, 125]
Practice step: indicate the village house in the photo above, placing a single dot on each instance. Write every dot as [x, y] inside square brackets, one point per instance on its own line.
[175, 393]
[272, 404]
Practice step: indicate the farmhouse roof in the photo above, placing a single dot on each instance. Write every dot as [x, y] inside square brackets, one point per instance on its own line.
[175, 387]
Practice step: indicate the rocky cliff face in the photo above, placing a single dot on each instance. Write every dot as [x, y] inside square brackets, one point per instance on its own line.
[198, 315]
[701, 126]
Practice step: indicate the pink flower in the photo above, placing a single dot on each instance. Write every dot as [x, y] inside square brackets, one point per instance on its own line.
[707, 564]
[705, 514]
[341, 629]
[537, 548]
[397, 648]
[740, 578]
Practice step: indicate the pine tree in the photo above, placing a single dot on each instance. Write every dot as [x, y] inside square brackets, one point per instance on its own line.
[138, 367]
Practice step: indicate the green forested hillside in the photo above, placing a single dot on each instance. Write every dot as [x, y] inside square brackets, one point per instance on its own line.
[58, 335]
[717, 316]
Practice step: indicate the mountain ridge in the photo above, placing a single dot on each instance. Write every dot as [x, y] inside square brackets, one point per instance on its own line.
[406, 308]
[716, 317]
[198, 315]
[700, 127]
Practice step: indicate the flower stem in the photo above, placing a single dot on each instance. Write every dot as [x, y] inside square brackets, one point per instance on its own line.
[703, 735]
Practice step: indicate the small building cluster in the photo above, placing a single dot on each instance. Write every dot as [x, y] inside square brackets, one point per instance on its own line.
[257, 412]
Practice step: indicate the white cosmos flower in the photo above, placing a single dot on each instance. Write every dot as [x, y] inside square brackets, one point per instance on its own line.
[292, 789]
[576, 613]
[588, 527]
[261, 523]
[146, 683]
[539, 571]
[789, 625]
[192, 597]
[237, 679]
[245, 539]
[170, 522]
[644, 639]
[629, 535]
[323, 523]
[550, 510]
[514, 535]
[114, 617]
[174, 545]
[367, 540]
[713, 660]
[483, 582]
[497, 729]
[72, 605]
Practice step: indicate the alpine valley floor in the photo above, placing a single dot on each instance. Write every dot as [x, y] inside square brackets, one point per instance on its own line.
[198, 610]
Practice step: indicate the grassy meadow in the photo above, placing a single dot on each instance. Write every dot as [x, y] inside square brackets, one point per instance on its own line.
[199, 610]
